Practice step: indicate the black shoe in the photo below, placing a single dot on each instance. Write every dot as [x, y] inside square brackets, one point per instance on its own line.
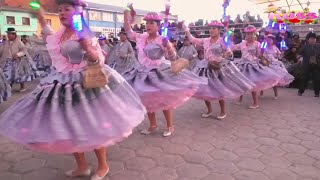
[300, 94]
[317, 95]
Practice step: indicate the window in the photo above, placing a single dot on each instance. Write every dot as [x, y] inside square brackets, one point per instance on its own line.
[48, 21]
[11, 20]
[120, 18]
[95, 15]
[108, 17]
[26, 21]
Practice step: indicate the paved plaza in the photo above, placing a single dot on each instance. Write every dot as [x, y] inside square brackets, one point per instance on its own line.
[279, 141]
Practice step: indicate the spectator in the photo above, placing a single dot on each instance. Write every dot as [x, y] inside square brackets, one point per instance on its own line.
[259, 21]
[296, 41]
[310, 64]
[290, 60]
[136, 28]
[238, 22]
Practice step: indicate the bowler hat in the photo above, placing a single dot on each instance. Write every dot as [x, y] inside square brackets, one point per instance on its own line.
[11, 30]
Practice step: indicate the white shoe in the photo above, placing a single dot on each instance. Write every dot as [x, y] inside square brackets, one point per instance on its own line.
[148, 132]
[168, 132]
[85, 173]
[206, 115]
[254, 107]
[96, 177]
[238, 103]
[275, 98]
[22, 90]
[221, 117]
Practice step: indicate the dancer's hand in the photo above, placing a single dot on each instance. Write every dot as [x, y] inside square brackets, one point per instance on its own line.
[165, 42]
[16, 57]
[228, 54]
[91, 53]
[181, 25]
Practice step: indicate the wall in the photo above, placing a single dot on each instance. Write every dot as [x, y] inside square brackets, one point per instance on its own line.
[55, 22]
[21, 29]
[303, 30]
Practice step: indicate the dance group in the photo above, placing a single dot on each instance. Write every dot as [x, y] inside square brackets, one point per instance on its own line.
[62, 116]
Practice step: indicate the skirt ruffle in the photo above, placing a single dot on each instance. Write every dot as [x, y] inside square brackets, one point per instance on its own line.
[5, 89]
[263, 77]
[124, 65]
[19, 71]
[280, 68]
[60, 116]
[159, 88]
[226, 83]
[43, 61]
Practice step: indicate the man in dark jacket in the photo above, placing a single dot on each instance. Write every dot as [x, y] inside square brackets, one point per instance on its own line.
[310, 53]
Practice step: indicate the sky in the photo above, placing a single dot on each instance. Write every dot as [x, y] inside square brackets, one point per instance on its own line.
[191, 11]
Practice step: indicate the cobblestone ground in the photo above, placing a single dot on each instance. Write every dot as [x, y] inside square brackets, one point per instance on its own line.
[279, 141]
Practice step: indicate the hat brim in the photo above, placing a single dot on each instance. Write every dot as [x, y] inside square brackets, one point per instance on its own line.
[11, 32]
[216, 26]
[152, 19]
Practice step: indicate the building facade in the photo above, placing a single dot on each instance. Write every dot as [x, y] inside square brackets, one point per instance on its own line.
[102, 19]
[21, 20]
[52, 20]
[17, 14]
[106, 19]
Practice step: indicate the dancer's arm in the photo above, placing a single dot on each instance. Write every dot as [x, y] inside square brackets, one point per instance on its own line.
[170, 51]
[46, 30]
[127, 26]
[194, 52]
[193, 39]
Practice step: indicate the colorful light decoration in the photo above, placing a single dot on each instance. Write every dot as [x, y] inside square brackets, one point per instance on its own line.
[225, 5]
[164, 29]
[132, 12]
[225, 18]
[227, 38]
[77, 22]
[264, 45]
[283, 45]
[77, 19]
[282, 26]
[35, 5]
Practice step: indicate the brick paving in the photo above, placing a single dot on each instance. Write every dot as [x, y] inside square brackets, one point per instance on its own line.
[279, 141]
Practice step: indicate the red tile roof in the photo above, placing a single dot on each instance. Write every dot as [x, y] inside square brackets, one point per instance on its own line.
[48, 5]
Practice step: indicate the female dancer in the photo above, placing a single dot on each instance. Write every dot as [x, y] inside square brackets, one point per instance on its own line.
[17, 67]
[5, 88]
[122, 55]
[189, 52]
[158, 87]
[225, 79]
[273, 54]
[251, 65]
[61, 116]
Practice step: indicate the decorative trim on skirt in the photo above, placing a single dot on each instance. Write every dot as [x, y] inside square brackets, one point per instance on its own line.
[60, 116]
[160, 89]
[262, 76]
[225, 83]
